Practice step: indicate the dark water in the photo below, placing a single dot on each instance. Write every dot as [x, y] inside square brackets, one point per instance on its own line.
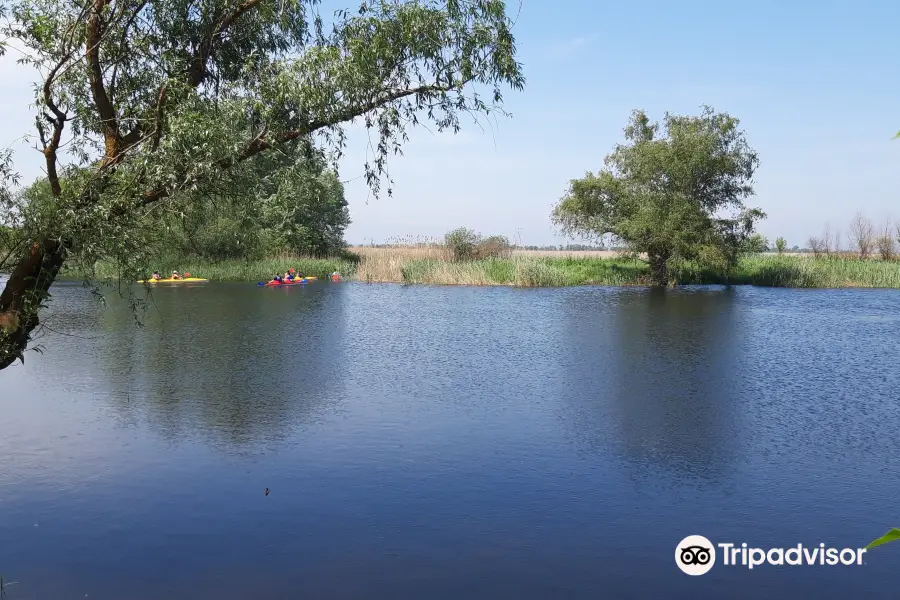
[450, 443]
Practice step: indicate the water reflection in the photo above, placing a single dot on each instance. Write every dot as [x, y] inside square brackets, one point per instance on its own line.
[450, 470]
[659, 392]
[241, 366]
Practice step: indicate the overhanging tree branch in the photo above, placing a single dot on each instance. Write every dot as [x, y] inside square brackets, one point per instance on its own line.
[261, 144]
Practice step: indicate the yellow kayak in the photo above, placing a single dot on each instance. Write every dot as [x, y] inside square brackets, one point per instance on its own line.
[170, 280]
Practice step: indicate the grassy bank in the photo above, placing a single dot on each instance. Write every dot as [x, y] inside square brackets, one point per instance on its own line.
[432, 265]
[806, 272]
[238, 270]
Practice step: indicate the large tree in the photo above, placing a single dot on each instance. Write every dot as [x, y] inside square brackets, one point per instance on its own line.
[294, 204]
[674, 192]
[156, 98]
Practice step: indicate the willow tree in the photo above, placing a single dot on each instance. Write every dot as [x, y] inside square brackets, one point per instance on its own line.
[675, 195]
[159, 102]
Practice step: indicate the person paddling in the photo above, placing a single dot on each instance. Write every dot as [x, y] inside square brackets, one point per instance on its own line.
[156, 276]
[175, 275]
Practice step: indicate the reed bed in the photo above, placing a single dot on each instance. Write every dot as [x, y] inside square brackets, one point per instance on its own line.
[431, 263]
[808, 272]
[386, 264]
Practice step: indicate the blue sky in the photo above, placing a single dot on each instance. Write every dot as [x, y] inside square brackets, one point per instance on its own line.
[814, 83]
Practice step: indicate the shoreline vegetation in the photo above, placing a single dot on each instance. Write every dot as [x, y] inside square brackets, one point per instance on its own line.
[434, 264]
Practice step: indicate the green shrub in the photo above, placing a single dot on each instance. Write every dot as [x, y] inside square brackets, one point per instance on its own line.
[462, 243]
[495, 246]
[756, 244]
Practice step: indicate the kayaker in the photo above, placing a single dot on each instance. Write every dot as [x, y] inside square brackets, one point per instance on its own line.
[288, 277]
[156, 276]
[335, 276]
[277, 279]
[175, 275]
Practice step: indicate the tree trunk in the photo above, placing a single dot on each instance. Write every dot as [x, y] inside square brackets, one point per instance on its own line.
[659, 269]
[25, 292]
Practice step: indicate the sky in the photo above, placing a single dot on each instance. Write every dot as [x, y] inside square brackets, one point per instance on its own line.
[814, 84]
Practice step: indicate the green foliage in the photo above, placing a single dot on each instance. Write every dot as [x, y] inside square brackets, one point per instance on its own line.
[170, 105]
[759, 270]
[780, 245]
[307, 212]
[241, 269]
[756, 244]
[495, 246]
[11, 234]
[540, 273]
[890, 536]
[298, 209]
[464, 244]
[665, 195]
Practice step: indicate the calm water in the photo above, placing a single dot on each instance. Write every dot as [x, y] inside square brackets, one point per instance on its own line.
[450, 443]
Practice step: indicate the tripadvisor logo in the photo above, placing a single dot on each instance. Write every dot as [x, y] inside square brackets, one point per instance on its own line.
[696, 555]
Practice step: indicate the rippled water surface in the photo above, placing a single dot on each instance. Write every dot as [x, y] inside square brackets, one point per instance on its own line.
[469, 443]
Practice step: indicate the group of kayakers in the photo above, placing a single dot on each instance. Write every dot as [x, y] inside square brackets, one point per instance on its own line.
[292, 276]
[175, 275]
[289, 277]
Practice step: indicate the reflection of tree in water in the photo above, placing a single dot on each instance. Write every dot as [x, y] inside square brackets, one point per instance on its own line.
[654, 378]
[237, 364]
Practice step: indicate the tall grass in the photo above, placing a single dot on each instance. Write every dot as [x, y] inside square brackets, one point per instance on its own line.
[825, 272]
[519, 271]
[432, 263]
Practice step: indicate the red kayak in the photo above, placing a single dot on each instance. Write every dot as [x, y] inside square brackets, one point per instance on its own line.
[295, 282]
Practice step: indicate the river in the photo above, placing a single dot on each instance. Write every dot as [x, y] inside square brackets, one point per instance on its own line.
[449, 442]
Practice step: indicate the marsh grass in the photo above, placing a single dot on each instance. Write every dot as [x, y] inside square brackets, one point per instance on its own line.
[804, 272]
[432, 263]
[522, 271]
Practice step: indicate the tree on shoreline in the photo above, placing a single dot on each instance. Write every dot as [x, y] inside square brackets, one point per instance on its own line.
[169, 102]
[665, 195]
[292, 204]
[296, 206]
